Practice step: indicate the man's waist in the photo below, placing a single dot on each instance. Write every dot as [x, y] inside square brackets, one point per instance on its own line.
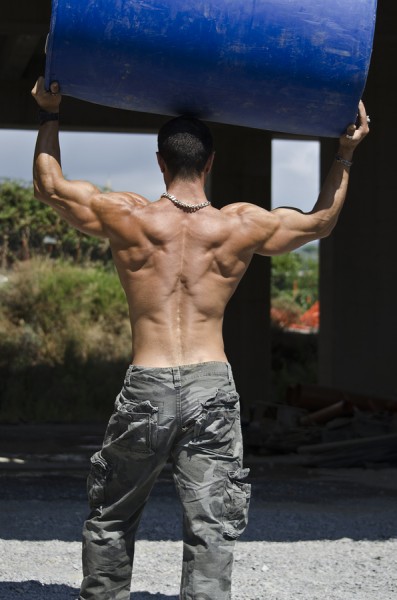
[199, 369]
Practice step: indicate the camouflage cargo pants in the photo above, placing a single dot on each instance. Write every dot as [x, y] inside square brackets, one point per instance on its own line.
[189, 415]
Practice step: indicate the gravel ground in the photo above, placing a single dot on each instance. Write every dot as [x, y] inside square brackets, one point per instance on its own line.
[314, 535]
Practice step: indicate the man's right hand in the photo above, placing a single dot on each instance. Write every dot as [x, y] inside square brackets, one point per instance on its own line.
[349, 141]
[48, 101]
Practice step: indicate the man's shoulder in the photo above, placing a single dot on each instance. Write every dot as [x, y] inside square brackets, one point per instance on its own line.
[119, 203]
[253, 221]
[131, 198]
[234, 208]
[243, 210]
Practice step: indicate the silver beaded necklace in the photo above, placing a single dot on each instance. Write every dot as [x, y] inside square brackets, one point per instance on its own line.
[185, 205]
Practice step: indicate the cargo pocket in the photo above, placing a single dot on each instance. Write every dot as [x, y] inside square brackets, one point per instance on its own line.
[132, 429]
[235, 503]
[99, 474]
[138, 436]
[215, 429]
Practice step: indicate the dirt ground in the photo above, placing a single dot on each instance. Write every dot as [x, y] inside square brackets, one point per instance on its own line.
[313, 534]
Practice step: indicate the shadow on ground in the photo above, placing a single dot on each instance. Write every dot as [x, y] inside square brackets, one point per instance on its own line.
[34, 590]
[287, 510]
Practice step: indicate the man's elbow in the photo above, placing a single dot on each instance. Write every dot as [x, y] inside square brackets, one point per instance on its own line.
[42, 190]
[37, 191]
[325, 228]
[40, 193]
[324, 233]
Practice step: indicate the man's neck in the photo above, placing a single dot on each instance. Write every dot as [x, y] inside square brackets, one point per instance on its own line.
[190, 191]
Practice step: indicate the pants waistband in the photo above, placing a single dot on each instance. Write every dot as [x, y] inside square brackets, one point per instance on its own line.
[185, 372]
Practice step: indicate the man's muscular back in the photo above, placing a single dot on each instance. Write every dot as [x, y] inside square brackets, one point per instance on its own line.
[178, 270]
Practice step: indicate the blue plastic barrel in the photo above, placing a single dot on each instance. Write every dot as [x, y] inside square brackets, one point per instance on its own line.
[294, 66]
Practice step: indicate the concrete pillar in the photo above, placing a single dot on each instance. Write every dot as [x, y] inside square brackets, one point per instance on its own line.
[241, 173]
[358, 263]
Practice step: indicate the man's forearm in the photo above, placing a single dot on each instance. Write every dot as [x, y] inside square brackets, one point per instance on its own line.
[47, 160]
[333, 193]
[47, 157]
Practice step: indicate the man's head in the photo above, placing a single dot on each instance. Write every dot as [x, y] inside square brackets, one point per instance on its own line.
[185, 145]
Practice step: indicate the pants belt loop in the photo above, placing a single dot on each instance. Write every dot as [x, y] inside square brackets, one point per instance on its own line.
[177, 377]
[229, 373]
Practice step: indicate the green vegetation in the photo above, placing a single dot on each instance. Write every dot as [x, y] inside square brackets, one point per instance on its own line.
[64, 341]
[295, 278]
[64, 328]
[25, 224]
[294, 289]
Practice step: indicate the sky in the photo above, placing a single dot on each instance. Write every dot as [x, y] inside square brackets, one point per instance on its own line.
[127, 162]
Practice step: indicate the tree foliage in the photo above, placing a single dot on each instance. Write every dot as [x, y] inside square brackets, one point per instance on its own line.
[295, 278]
[25, 223]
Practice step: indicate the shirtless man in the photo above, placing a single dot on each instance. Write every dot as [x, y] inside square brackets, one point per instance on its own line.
[179, 261]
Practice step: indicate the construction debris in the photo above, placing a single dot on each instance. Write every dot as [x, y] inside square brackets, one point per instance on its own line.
[352, 453]
[314, 397]
[327, 427]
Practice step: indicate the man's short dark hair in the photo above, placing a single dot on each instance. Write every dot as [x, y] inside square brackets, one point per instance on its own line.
[185, 144]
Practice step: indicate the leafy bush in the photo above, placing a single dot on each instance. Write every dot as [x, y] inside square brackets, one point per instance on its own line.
[295, 276]
[63, 328]
[284, 311]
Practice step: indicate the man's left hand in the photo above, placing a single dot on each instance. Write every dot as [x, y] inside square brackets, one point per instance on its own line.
[48, 101]
[354, 135]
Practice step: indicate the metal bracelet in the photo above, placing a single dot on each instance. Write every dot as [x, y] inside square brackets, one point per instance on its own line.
[343, 161]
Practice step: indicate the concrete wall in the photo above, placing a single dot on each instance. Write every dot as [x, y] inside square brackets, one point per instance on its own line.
[242, 174]
[358, 272]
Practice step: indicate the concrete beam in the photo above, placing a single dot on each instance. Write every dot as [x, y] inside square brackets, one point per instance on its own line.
[242, 174]
[16, 55]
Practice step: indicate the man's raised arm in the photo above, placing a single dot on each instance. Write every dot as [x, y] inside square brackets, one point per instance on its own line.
[286, 229]
[78, 202]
